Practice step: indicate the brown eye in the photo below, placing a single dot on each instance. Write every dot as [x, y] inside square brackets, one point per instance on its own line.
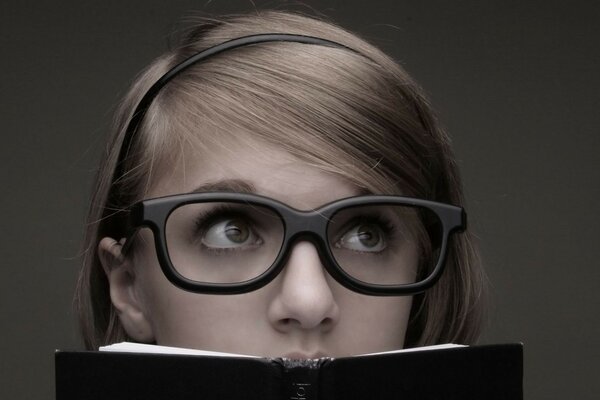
[237, 231]
[229, 233]
[363, 238]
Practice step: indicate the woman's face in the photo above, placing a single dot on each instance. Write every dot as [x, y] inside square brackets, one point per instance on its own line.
[302, 313]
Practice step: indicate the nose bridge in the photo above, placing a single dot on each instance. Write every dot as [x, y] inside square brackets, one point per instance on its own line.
[309, 226]
[310, 234]
[304, 257]
[305, 298]
[307, 236]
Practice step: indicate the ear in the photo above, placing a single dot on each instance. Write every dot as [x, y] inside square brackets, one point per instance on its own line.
[122, 281]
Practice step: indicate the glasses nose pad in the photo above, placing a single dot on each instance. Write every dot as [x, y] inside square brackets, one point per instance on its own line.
[313, 231]
[321, 242]
[318, 241]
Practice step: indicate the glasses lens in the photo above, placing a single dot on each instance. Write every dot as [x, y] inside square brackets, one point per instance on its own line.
[223, 242]
[385, 244]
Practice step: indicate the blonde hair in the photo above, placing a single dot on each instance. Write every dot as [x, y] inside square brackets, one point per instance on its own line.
[360, 115]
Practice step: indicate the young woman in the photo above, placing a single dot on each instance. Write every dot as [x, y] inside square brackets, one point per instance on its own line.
[287, 190]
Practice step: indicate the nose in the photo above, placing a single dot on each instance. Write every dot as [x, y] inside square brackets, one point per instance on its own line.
[304, 299]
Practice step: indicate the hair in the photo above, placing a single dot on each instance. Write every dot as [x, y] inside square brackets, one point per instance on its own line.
[361, 117]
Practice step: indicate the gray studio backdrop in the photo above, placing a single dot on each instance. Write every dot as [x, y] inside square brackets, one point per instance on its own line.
[515, 82]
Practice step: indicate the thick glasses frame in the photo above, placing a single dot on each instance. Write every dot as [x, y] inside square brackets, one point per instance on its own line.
[298, 225]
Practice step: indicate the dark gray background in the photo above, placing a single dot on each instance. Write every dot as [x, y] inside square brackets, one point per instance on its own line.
[515, 82]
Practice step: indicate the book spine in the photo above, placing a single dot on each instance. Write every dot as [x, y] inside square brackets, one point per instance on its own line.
[300, 379]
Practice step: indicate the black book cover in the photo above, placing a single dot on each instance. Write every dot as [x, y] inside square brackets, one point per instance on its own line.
[487, 372]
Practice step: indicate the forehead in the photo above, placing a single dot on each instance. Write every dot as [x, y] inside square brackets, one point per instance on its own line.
[255, 167]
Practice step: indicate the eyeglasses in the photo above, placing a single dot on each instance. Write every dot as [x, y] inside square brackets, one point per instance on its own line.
[230, 243]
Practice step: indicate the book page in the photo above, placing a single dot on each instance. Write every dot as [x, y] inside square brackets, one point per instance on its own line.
[424, 348]
[129, 347]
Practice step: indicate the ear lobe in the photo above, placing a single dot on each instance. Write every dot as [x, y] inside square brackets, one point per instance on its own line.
[122, 281]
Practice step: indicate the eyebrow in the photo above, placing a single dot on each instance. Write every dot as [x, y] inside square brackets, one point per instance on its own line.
[226, 185]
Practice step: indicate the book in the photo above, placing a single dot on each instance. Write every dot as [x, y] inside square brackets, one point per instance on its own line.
[136, 371]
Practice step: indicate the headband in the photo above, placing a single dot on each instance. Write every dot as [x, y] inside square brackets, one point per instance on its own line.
[144, 104]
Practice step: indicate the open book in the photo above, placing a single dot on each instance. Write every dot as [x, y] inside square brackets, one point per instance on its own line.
[137, 371]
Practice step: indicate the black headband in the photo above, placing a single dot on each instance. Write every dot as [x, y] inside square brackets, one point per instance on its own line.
[144, 104]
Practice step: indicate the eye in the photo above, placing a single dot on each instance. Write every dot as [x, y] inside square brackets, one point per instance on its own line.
[229, 233]
[363, 237]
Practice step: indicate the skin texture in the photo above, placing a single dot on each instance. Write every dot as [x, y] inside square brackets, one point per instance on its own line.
[303, 313]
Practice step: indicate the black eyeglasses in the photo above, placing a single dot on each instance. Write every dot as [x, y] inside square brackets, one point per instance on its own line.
[230, 243]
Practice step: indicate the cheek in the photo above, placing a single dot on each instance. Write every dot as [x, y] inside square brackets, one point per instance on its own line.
[373, 324]
[186, 319]
[233, 324]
